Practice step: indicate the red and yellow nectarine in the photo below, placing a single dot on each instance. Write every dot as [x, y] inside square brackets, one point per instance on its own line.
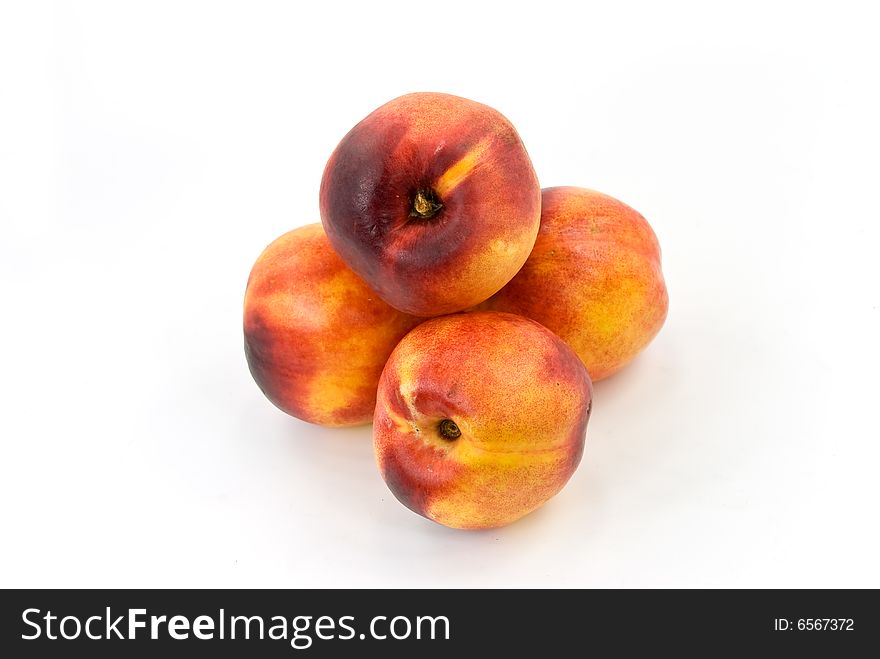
[593, 278]
[480, 418]
[433, 201]
[316, 337]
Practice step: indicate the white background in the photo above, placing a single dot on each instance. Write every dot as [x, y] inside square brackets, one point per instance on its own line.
[149, 151]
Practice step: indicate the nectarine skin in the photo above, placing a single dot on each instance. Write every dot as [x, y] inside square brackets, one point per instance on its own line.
[316, 337]
[433, 201]
[593, 278]
[480, 418]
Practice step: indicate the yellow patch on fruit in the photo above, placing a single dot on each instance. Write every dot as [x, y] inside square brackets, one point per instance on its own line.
[332, 387]
[461, 169]
[403, 425]
[407, 382]
[612, 317]
[467, 503]
[330, 393]
[498, 256]
[503, 249]
[614, 308]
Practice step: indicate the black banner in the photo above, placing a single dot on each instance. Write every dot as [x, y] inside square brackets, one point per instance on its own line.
[317, 623]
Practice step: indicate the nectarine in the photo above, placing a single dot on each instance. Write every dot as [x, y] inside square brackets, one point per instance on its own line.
[480, 418]
[316, 337]
[593, 278]
[433, 201]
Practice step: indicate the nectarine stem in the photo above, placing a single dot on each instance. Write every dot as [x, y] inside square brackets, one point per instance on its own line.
[425, 204]
[449, 430]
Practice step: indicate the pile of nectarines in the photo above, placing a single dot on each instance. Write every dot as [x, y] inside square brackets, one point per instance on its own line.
[456, 305]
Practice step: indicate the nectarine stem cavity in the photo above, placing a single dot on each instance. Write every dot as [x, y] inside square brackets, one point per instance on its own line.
[449, 430]
[425, 204]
